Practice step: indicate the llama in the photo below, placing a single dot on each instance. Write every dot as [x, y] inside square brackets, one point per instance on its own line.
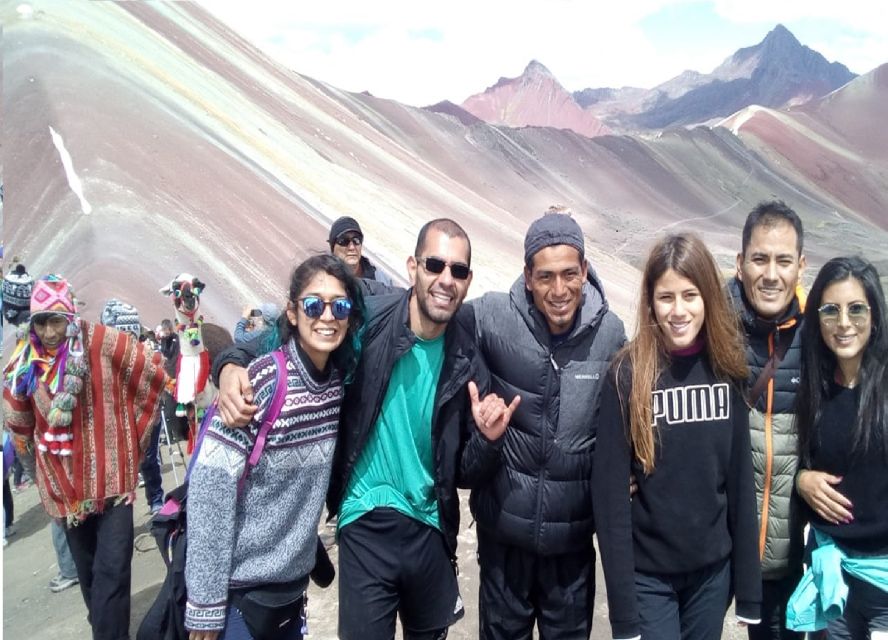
[193, 390]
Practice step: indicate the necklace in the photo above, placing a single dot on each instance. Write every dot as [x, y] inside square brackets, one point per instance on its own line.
[840, 380]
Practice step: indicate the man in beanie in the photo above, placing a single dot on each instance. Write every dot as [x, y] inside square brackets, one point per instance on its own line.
[549, 340]
[80, 399]
[347, 243]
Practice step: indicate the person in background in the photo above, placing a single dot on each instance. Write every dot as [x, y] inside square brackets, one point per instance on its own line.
[254, 321]
[67, 575]
[843, 432]
[673, 415]
[347, 243]
[68, 376]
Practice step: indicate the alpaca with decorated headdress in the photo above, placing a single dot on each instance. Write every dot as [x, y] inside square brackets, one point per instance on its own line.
[193, 366]
[80, 400]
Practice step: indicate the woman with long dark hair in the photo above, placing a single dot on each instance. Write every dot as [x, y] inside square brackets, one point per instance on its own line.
[252, 539]
[842, 419]
[674, 416]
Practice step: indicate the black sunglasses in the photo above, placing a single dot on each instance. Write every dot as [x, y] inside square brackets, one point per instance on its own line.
[313, 306]
[344, 241]
[459, 270]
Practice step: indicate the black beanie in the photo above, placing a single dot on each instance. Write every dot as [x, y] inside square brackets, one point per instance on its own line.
[552, 229]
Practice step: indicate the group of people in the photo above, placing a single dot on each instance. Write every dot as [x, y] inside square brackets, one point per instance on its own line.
[696, 451]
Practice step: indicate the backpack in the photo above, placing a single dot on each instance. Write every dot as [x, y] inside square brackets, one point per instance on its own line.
[165, 619]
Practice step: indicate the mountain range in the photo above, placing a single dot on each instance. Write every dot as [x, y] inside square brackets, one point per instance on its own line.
[197, 152]
[778, 72]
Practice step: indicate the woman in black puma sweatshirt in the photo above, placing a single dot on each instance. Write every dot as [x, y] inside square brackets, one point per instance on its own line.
[673, 415]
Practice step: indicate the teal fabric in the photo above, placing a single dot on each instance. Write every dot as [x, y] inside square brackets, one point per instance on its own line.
[822, 592]
[395, 468]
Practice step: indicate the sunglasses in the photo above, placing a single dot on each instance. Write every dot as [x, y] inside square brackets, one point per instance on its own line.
[313, 307]
[344, 241]
[858, 313]
[458, 270]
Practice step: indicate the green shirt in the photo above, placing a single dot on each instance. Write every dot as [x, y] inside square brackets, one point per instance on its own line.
[395, 468]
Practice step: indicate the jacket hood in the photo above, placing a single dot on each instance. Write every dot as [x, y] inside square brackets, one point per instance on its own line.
[592, 308]
[752, 322]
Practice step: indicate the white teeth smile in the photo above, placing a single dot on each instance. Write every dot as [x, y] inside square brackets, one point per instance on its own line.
[325, 332]
[441, 297]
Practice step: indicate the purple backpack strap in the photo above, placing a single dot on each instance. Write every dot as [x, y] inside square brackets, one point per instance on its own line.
[201, 434]
[271, 414]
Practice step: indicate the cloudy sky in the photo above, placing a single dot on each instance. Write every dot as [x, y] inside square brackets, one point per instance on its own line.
[420, 52]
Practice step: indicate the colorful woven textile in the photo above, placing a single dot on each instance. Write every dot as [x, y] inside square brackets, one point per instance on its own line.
[111, 423]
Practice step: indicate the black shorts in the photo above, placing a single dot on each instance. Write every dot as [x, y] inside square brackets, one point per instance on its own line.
[390, 564]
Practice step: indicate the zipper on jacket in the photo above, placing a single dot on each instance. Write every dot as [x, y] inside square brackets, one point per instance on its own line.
[454, 384]
[542, 459]
[769, 448]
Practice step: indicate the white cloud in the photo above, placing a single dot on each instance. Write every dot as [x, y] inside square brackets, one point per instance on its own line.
[420, 53]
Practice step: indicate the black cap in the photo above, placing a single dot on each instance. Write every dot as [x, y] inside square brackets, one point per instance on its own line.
[342, 225]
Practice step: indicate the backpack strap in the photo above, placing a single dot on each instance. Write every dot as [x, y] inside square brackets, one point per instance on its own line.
[271, 414]
[201, 433]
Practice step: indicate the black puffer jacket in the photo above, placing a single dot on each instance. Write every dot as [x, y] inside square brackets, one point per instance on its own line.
[540, 498]
[462, 455]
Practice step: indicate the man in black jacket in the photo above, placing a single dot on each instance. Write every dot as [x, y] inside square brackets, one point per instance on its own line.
[549, 339]
[407, 439]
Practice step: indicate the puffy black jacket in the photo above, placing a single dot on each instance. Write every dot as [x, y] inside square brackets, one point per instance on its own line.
[463, 457]
[540, 498]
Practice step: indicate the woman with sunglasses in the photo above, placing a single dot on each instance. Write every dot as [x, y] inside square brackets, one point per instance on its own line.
[257, 542]
[673, 414]
[842, 419]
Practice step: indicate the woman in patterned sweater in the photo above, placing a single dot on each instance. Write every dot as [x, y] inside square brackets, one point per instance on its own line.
[258, 544]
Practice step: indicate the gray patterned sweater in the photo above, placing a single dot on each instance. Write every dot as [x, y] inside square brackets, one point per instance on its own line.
[268, 534]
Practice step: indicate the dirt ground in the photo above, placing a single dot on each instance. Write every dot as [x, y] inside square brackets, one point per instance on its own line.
[32, 612]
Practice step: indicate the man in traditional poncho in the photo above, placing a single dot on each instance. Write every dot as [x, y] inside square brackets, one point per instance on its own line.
[80, 400]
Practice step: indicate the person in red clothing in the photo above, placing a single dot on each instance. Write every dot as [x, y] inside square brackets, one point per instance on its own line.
[80, 400]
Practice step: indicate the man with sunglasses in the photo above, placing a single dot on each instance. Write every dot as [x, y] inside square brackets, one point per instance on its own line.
[347, 243]
[767, 294]
[413, 427]
[549, 339]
